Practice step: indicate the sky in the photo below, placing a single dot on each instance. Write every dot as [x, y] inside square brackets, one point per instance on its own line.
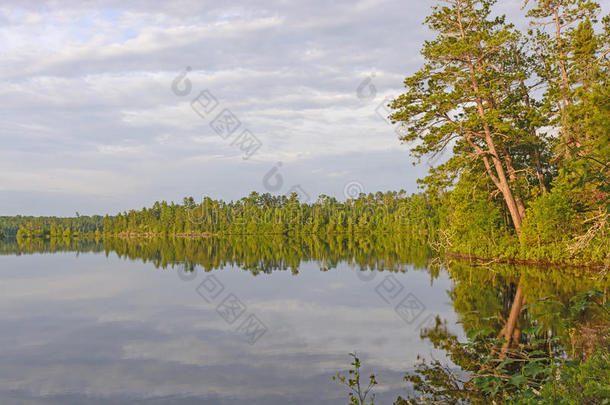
[111, 105]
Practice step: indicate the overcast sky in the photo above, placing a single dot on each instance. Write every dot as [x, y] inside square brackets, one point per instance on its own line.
[90, 121]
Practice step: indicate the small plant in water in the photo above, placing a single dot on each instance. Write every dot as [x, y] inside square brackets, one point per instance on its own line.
[357, 395]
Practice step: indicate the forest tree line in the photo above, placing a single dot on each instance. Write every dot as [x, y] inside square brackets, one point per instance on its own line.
[43, 227]
[267, 214]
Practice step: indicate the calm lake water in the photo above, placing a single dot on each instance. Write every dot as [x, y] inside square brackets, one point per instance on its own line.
[233, 321]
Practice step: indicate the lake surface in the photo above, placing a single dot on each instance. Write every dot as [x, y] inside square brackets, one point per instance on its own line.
[231, 321]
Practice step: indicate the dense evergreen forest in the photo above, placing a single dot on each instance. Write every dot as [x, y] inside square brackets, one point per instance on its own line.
[267, 214]
[39, 227]
[445, 223]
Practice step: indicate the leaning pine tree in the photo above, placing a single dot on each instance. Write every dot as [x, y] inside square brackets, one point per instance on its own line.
[472, 95]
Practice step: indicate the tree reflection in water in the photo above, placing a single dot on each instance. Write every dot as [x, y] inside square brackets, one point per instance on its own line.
[534, 335]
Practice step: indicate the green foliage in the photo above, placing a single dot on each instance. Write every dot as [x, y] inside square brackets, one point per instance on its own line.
[584, 383]
[48, 227]
[534, 371]
[477, 224]
[527, 120]
[264, 214]
[358, 393]
[469, 219]
[555, 358]
[471, 95]
[548, 227]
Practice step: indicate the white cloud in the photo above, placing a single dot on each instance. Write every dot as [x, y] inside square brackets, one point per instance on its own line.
[68, 181]
[86, 95]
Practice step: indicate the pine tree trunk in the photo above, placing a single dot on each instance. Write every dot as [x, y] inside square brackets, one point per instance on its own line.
[500, 179]
[509, 329]
[512, 175]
